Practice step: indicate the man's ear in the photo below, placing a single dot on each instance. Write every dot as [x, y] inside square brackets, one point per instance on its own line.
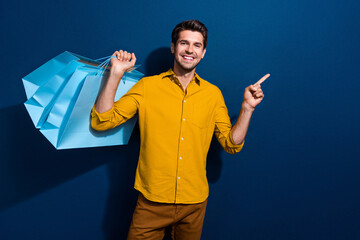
[172, 47]
[203, 54]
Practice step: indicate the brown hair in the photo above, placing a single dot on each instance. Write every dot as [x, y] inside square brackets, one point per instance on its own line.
[192, 25]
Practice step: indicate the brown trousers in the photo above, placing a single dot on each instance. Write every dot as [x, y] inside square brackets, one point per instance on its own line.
[150, 220]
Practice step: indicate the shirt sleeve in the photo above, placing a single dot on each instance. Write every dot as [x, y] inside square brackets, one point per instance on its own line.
[223, 127]
[123, 109]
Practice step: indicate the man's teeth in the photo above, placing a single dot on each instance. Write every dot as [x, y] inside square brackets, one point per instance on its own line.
[189, 58]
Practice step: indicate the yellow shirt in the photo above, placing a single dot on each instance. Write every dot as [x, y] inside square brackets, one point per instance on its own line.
[176, 129]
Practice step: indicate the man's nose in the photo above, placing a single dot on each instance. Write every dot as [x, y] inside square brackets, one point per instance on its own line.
[189, 49]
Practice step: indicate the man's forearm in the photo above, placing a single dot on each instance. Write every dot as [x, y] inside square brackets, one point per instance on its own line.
[106, 98]
[241, 126]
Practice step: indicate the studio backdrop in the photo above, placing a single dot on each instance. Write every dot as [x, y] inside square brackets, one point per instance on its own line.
[297, 176]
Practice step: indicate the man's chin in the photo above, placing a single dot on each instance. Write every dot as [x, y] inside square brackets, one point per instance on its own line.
[186, 67]
[189, 69]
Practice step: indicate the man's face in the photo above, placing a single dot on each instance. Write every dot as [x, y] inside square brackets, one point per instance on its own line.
[189, 50]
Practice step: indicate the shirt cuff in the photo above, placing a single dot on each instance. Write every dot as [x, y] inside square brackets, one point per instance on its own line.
[232, 144]
[103, 117]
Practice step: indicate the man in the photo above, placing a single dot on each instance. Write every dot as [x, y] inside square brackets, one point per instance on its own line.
[178, 114]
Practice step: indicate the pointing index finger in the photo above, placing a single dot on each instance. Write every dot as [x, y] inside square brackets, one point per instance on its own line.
[262, 79]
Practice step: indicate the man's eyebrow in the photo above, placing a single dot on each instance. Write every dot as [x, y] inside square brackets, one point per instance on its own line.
[184, 40]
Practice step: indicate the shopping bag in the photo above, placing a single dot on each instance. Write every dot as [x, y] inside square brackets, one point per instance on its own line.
[65, 119]
[44, 73]
[68, 123]
[69, 126]
[40, 103]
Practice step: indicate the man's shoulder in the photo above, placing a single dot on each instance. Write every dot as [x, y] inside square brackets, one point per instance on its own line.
[208, 85]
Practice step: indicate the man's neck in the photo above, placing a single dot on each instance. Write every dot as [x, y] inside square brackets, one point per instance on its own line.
[184, 76]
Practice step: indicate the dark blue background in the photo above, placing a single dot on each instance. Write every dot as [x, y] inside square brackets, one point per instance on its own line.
[298, 175]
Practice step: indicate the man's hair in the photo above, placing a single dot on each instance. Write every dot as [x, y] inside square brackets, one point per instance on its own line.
[192, 25]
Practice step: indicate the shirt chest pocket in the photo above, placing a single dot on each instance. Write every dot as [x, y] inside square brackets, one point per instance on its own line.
[201, 115]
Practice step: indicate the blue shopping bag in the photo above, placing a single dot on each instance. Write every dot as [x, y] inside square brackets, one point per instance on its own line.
[68, 124]
[48, 70]
[66, 103]
[40, 103]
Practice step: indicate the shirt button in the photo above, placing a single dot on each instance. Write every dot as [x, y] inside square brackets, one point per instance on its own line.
[183, 119]
[184, 100]
[178, 177]
[180, 157]
[182, 138]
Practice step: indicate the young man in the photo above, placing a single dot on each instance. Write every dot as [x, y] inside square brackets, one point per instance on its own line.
[178, 114]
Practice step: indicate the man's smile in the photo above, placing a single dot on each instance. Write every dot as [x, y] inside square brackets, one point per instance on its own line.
[188, 58]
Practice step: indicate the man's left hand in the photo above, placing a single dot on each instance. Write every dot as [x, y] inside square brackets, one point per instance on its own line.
[253, 94]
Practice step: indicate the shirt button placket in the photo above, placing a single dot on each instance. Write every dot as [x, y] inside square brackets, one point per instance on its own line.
[181, 147]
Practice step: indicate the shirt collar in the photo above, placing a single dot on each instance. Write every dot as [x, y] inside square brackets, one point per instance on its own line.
[170, 73]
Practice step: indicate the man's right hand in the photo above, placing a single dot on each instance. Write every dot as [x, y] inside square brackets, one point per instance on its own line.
[122, 62]
[119, 65]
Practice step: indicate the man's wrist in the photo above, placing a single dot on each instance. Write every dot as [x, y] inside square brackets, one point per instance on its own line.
[117, 72]
[247, 107]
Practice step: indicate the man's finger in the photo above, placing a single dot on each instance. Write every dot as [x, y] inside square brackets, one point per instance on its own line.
[252, 88]
[258, 91]
[133, 58]
[127, 56]
[262, 79]
[259, 95]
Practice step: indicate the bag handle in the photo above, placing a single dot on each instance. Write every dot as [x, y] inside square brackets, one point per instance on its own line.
[104, 65]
